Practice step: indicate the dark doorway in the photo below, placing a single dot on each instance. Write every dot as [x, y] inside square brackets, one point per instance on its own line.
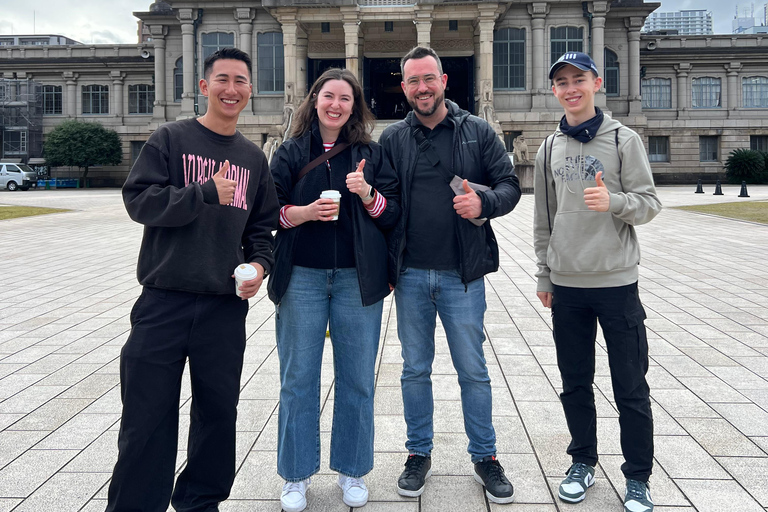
[315, 68]
[381, 85]
[461, 81]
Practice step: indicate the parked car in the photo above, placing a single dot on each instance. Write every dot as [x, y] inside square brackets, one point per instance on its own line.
[17, 176]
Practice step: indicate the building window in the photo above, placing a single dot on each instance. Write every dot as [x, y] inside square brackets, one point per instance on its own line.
[611, 73]
[215, 41]
[453, 25]
[656, 92]
[136, 146]
[758, 143]
[52, 100]
[271, 76]
[708, 148]
[509, 59]
[95, 99]
[389, 26]
[141, 97]
[14, 142]
[705, 92]
[658, 149]
[565, 39]
[325, 27]
[178, 80]
[754, 91]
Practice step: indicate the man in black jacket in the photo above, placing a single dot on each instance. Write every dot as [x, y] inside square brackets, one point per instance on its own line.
[439, 252]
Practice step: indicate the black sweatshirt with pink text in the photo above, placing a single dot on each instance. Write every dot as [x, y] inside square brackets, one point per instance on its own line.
[191, 242]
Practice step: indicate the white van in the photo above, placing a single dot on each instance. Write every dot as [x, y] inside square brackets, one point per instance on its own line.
[17, 176]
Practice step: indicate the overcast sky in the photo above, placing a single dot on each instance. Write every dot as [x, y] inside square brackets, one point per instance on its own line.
[111, 21]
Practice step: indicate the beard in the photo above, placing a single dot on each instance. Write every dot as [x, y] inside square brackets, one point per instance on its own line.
[439, 100]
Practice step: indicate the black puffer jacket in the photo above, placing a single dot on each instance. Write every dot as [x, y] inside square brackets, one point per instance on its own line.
[370, 247]
[480, 157]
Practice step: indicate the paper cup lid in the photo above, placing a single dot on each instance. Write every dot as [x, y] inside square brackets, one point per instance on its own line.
[246, 271]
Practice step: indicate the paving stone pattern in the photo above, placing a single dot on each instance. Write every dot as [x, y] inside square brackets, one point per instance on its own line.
[68, 284]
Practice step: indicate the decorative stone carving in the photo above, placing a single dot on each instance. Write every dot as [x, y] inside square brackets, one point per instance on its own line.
[520, 149]
[453, 44]
[399, 46]
[326, 47]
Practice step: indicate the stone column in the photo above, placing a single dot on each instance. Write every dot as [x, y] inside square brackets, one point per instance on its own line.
[732, 69]
[70, 79]
[244, 16]
[187, 17]
[117, 92]
[484, 24]
[634, 24]
[351, 21]
[423, 22]
[158, 39]
[683, 98]
[287, 18]
[302, 46]
[539, 55]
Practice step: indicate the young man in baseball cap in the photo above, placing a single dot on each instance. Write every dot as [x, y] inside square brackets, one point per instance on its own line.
[593, 184]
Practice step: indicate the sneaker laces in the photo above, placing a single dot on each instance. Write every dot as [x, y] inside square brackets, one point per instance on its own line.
[413, 464]
[350, 482]
[294, 486]
[494, 469]
[636, 490]
[577, 471]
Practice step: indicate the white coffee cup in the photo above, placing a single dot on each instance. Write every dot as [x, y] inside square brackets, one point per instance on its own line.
[244, 272]
[336, 196]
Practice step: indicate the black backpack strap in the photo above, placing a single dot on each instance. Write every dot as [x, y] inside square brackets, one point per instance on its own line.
[616, 138]
[546, 185]
[426, 148]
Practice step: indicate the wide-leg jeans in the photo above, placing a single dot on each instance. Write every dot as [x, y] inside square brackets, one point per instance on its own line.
[315, 299]
[575, 313]
[421, 295]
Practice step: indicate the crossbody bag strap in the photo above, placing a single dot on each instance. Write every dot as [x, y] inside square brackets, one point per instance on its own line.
[431, 154]
[335, 150]
[547, 162]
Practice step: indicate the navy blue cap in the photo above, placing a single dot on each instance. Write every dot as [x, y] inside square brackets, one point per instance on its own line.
[580, 60]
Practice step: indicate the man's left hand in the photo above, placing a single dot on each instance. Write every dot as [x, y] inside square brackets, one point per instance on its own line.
[598, 198]
[468, 206]
[249, 288]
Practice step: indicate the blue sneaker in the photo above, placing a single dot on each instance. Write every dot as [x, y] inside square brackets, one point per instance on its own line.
[638, 497]
[579, 478]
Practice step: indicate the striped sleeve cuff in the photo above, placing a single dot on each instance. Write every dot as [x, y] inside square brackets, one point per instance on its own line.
[284, 222]
[377, 206]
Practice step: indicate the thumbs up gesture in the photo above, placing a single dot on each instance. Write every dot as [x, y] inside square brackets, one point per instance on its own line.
[224, 186]
[356, 181]
[598, 198]
[469, 205]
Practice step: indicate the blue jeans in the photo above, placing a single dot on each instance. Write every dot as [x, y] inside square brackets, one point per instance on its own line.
[317, 298]
[420, 295]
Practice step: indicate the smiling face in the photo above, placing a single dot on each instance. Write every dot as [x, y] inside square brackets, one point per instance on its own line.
[334, 104]
[227, 87]
[424, 88]
[575, 90]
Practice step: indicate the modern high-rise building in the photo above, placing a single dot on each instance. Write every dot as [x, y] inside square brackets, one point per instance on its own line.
[688, 22]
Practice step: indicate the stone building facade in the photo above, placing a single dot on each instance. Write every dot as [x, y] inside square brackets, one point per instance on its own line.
[496, 55]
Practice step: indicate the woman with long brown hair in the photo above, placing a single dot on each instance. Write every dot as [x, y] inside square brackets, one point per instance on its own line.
[330, 272]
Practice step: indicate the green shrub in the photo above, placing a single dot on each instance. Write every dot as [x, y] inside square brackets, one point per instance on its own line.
[745, 165]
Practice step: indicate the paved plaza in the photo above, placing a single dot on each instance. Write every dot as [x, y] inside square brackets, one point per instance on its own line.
[68, 284]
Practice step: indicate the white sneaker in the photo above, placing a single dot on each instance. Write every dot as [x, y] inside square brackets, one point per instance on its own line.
[355, 491]
[293, 497]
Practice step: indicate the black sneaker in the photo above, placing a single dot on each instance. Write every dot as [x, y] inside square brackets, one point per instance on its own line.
[489, 473]
[413, 478]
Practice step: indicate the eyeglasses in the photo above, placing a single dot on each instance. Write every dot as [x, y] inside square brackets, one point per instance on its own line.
[429, 80]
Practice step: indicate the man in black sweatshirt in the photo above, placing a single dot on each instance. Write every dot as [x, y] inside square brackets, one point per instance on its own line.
[206, 199]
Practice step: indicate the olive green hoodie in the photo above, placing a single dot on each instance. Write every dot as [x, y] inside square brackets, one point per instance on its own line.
[574, 245]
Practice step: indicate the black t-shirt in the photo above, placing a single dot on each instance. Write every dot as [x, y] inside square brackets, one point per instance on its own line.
[430, 239]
